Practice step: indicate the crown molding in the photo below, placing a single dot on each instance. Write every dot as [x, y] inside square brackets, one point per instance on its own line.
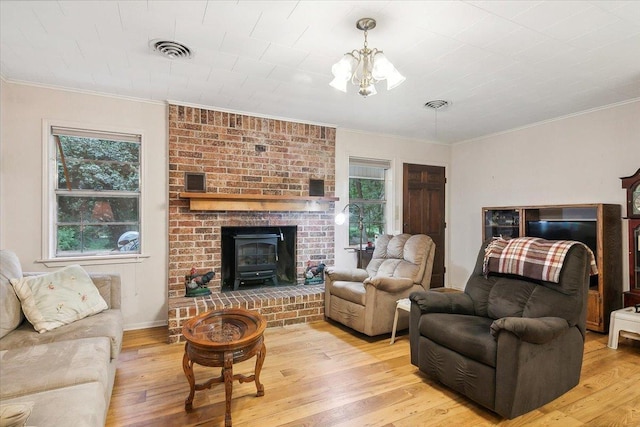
[82, 91]
[543, 122]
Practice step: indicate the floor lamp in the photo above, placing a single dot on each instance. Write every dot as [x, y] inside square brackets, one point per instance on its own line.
[341, 218]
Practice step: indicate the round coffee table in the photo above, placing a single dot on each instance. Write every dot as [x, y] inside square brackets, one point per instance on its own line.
[218, 339]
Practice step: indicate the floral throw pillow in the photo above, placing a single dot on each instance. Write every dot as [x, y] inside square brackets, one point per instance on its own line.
[55, 299]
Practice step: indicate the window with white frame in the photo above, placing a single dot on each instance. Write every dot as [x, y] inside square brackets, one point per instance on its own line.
[367, 190]
[95, 200]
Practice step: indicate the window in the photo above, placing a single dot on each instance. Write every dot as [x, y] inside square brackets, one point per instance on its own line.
[95, 193]
[367, 189]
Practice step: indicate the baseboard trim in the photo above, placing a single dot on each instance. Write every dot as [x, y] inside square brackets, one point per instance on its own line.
[145, 325]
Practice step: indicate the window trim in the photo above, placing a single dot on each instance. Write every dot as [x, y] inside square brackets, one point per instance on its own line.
[49, 180]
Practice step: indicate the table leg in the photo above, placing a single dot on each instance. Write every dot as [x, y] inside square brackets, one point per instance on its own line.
[187, 366]
[228, 386]
[259, 361]
[395, 325]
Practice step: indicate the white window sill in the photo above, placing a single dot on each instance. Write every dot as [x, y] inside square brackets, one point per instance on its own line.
[94, 260]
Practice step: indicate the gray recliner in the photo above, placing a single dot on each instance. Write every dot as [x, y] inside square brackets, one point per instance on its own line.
[365, 300]
[509, 343]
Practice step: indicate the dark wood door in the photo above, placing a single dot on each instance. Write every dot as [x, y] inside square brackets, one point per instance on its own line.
[423, 210]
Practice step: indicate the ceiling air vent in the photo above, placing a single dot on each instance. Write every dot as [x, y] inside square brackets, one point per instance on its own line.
[436, 104]
[171, 49]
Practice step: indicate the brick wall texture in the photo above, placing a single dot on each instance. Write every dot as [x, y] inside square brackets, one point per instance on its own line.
[241, 154]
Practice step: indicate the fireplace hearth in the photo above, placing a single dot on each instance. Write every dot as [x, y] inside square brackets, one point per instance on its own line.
[258, 256]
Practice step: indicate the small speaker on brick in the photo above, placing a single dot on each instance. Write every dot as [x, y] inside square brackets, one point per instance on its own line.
[194, 182]
[316, 187]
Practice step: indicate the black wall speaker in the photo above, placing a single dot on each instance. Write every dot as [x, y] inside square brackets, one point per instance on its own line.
[316, 187]
[194, 182]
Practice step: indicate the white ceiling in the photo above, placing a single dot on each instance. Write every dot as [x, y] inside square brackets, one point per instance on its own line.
[500, 64]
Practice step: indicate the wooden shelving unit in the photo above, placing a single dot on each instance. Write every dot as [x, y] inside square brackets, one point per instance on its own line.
[605, 292]
[256, 202]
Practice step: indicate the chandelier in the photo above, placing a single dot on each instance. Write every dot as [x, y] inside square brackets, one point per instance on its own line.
[365, 67]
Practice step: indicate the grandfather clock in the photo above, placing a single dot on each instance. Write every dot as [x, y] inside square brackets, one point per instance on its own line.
[632, 185]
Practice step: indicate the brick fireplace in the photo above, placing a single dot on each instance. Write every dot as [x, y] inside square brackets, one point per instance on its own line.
[257, 157]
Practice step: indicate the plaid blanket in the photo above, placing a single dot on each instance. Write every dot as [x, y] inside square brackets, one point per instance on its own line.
[530, 257]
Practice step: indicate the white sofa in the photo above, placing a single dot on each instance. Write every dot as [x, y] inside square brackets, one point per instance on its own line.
[68, 373]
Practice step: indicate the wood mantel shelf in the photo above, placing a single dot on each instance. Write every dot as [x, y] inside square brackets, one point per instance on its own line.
[256, 202]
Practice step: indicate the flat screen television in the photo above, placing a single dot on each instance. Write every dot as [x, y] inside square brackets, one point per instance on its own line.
[581, 231]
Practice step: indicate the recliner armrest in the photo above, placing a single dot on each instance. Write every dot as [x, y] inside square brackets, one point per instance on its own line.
[389, 284]
[537, 330]
[443, 302]
[347, 274]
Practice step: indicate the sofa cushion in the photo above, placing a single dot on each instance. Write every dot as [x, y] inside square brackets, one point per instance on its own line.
[15, 414]
[350, 291]
[395, 247]
[10, 311]
[466, 335]
[29, 370]
[55, 299]
[398, 268]
[108, 324]
[81, 405]
[400, 256]
[508, 297]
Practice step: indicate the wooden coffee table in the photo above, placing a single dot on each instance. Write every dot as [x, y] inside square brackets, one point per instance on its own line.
[218, 339]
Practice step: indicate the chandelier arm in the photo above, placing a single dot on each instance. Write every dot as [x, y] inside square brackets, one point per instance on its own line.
[373, 53]
[358, 57]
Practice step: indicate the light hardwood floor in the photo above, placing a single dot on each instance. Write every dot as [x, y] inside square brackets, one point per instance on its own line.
[321, 374]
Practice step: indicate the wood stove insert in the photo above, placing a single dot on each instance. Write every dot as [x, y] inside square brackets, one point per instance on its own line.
[256, 257]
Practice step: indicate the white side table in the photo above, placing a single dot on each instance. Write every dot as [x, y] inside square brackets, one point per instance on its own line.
[401, 304]
[625, 322]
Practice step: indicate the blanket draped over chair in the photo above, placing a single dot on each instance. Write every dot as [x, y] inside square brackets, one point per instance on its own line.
[530, 257]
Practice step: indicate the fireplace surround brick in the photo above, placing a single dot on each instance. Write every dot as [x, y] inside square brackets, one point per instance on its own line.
[241, 154]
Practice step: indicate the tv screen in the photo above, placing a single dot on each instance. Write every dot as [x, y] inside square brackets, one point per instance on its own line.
[581, 231]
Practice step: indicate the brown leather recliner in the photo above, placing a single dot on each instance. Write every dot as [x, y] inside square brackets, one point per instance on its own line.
[509, 343]
[365, 300]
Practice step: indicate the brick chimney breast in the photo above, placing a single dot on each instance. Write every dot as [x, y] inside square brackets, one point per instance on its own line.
[241, 154]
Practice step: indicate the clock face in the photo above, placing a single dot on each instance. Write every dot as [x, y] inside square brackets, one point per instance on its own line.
[636, 202]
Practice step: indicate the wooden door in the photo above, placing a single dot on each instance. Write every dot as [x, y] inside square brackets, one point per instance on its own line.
[423, 210]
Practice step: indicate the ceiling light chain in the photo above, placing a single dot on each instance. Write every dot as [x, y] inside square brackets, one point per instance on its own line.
[365, 67]
[436, 104]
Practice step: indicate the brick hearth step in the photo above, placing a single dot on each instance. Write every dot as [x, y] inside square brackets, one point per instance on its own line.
[280, 306]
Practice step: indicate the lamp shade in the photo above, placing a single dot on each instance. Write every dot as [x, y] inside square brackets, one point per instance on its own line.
[395, 79]
[339, 84]
[343, 68]
[340, 218]
[368, 90]
[382, 67]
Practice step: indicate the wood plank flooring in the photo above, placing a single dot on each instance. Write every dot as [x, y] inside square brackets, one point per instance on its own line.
[322, 374]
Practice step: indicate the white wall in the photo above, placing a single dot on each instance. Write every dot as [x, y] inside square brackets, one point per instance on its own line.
[573, 160]
[350, 143]
[23, 109]
[578, 159]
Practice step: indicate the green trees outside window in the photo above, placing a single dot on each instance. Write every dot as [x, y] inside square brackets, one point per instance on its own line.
[369, 194]
[97, 195]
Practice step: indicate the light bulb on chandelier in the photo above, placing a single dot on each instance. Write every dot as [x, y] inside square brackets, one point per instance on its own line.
[365, 67]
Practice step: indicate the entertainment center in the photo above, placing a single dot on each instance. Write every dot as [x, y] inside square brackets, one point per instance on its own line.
[597, 225]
